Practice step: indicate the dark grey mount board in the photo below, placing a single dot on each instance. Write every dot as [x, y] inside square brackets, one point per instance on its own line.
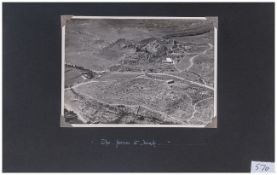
[33, 140]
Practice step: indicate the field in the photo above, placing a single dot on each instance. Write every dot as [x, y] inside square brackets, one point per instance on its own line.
[147, 72]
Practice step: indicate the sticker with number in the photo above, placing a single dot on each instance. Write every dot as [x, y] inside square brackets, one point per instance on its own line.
[262, 167]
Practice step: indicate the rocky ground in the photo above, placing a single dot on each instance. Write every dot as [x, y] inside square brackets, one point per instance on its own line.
[129, 80]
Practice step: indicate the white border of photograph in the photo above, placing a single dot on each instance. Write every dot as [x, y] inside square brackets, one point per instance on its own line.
[64, 18]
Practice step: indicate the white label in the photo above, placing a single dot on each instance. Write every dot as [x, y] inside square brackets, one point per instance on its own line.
[262, 167]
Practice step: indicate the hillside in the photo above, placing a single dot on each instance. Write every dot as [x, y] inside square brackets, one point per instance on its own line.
[145, 75]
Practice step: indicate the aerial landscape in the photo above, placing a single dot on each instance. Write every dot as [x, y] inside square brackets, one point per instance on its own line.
[139, 72]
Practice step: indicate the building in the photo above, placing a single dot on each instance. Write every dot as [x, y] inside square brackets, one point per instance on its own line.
[170, 81]
[168, 60]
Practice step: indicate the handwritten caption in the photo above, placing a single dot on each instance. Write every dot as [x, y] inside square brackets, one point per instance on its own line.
[126, 142]
[262, 167]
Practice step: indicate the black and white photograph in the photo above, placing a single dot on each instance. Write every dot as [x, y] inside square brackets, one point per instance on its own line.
[139, 71]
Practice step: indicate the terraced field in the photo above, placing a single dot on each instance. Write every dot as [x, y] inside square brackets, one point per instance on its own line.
[151, 73]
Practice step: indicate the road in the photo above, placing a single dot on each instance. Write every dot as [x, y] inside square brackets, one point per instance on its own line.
[194, 107]
[180, 78]
[84, 83]
[191, 60]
